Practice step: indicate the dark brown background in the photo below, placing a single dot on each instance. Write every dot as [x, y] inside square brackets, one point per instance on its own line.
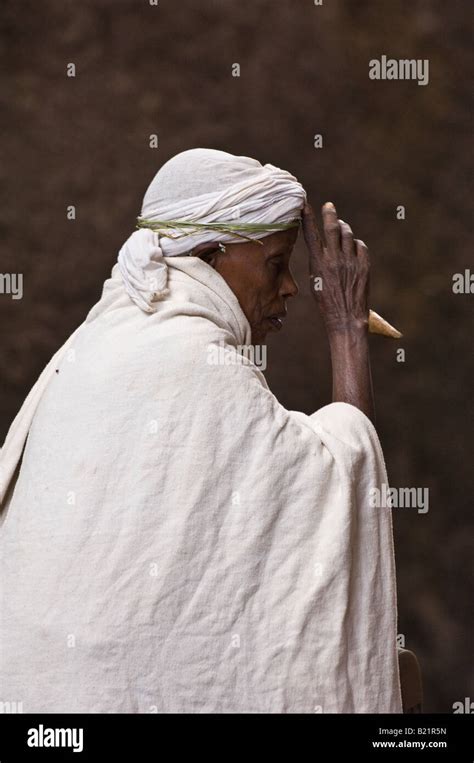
[304, 70]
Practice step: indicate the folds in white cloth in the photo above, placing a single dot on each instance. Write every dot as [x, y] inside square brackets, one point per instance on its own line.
[176, 540]
[143, 268]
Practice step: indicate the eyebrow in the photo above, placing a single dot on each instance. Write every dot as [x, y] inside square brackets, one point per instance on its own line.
[280, 252]
[271, 255]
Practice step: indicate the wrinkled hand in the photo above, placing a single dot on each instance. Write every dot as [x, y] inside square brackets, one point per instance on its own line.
[343, 265]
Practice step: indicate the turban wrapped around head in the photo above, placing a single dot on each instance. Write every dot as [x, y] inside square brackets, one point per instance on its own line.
[204, 195]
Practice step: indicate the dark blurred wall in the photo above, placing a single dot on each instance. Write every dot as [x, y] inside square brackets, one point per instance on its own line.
[140, 70]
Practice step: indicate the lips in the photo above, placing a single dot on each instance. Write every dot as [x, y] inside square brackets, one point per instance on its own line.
[276, 320]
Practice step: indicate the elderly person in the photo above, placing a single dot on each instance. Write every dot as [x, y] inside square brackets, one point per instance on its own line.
[173, 539]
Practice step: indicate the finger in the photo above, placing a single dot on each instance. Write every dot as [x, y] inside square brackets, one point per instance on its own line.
[362, 252]
[332, 229]
[364, 268]
[310, 229]
[312, 238]
[347, 238]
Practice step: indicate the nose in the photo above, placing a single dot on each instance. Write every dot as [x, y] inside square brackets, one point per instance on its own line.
[289, 287]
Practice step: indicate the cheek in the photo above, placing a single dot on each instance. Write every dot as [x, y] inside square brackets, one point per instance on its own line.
[271, 287]
[262, 298]
[259, 294]
[267, 293]
[253, 306]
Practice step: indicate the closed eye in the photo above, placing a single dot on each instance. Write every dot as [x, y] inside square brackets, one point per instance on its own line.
[278, 261]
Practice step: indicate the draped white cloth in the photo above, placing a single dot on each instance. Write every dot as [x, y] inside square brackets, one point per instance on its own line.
[175, 540]
[207, 186]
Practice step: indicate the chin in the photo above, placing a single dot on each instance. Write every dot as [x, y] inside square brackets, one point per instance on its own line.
[259, 336]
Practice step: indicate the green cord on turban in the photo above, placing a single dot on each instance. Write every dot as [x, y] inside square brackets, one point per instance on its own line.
[161, 226]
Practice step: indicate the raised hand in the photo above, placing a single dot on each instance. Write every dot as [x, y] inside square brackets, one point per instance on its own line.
[342, 265]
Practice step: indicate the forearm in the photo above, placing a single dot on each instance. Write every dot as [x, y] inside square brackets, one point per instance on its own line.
[351, 377]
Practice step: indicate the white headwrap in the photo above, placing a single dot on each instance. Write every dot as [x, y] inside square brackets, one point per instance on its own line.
[203, 186]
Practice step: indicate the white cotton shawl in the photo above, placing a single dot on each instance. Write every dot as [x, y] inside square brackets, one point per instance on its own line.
[175, 540]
